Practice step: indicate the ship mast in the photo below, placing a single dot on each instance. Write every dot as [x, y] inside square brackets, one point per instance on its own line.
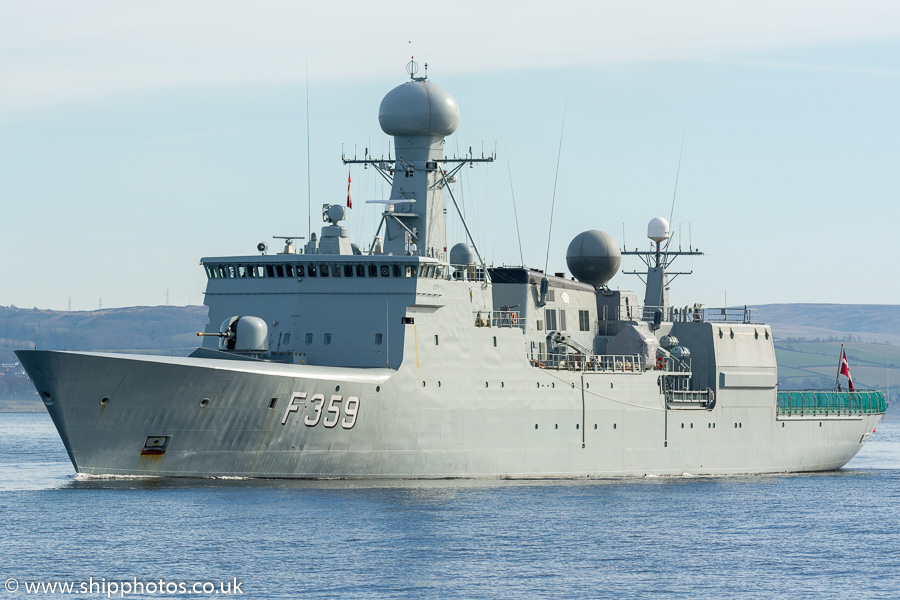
[419, 114]
[657, 260]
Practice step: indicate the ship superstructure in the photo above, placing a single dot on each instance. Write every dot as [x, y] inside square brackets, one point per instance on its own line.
[406, 359]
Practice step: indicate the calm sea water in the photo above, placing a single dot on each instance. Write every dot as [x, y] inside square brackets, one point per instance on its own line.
[831, 535]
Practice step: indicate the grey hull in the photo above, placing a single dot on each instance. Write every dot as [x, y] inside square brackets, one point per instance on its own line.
[236, 418]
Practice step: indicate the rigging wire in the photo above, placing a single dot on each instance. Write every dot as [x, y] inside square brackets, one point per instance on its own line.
[555, 179]
[515, 211]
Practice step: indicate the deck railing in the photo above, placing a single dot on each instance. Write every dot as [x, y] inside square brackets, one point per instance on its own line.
[498, 318]
[602, 363]
[831, 402]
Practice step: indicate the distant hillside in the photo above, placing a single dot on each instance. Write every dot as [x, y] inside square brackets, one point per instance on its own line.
[879, 323]
[167, 330]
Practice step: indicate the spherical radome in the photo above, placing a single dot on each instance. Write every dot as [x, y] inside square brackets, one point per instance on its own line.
[461, 254]
[593, 257]
[658, 229]
[418, 108]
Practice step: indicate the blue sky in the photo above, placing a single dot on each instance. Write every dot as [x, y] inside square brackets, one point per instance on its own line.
[135, 139]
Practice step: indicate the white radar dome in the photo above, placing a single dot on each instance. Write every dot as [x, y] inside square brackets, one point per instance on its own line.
[658, 230]
[418, 108]
[593, 257]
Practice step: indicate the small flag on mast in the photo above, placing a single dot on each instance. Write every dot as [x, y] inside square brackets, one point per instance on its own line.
[349, 199]
[844, 369]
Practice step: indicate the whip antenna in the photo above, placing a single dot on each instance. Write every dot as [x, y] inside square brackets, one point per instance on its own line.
[675, 191]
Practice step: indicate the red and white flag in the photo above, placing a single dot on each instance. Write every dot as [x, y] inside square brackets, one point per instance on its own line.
[845, 368]
[349, 199]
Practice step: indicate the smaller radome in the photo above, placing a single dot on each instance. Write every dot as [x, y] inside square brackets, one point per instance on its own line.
[593, 257]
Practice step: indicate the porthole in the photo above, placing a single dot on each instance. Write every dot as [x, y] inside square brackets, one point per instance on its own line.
[553, 384]
[732, 333]
[377, 388]
[337, 388]
[595, 426]
[204, 403]
[614, 425]
[423, 384]
[782, 423]
[104, 400]
[610, 385]
[767, 334]
[755, 334]
[539, 384]
[740, 425]
[692, 425]
[820, 423]
[485, 384]
[47, 398]
[573, 385]
[439, 383]
[709, 425]
[502, 384]
[735, 425]
[682, 425]
[556, 426]
[721, 335]
[577, 425]
[535, 425]
[587, 386]
[714, 425]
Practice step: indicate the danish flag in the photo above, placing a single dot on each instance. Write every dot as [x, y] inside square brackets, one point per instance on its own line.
[845, 368]
[349, 199]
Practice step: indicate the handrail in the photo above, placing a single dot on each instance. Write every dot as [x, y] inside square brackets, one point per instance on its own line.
[498, 318]
[831, 402]
[597, 363]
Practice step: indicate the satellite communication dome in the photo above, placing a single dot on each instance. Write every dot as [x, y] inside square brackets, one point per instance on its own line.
[418, 108]
[461, 254]
[658, 229]
[593, 257]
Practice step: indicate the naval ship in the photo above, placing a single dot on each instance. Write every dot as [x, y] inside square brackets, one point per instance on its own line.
[404, 360]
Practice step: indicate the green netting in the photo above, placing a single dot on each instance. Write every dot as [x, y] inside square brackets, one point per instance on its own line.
[829, 402]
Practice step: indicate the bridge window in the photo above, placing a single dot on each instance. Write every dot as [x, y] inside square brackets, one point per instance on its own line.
[336, 270]
[270, 270]
[348, 270]
[311, 270]
[323, 270]
[584, 320]
[231, 271]
[562, 319]
[327, 338]
[551, 297]
[300, 271]
[290, 270]
[360, 270]
[309, 337]
[242, 271]
[373, 271]
[279, 270]
[397, 271]
[430, 271]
